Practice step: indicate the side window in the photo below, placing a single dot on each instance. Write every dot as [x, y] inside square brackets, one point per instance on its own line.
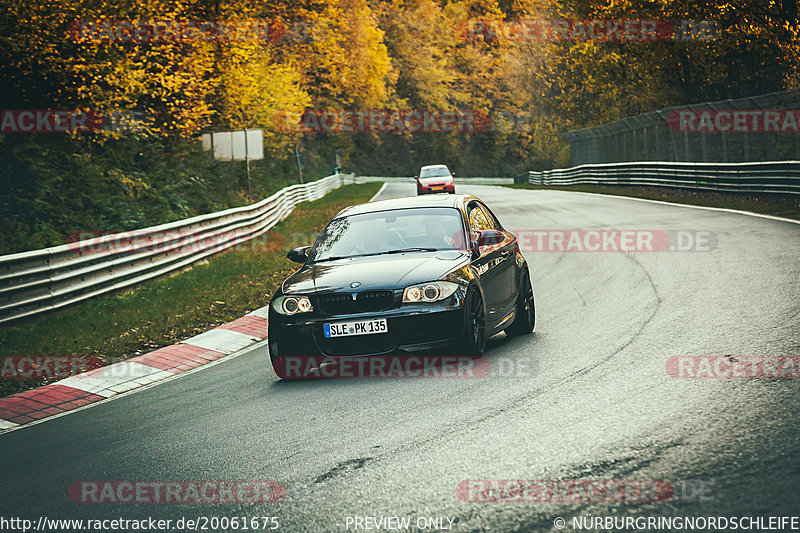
[492, 219]
[481, 218]
[478, 218]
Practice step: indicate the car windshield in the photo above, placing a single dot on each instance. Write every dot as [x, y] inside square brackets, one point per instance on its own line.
[433, 173]
[394, 231]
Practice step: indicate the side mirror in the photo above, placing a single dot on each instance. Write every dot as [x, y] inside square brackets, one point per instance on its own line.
[299, 254]
[490, 237]
[474, 247]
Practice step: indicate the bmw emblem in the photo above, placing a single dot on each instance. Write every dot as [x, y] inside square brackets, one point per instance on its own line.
[355, 285]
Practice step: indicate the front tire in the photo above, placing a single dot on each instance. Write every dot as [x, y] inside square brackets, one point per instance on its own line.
[525, 318]
[473, 338]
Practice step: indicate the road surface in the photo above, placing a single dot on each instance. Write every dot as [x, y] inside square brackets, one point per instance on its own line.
[588, 396]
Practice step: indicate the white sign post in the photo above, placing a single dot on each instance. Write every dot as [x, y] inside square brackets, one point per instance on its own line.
[242, 145]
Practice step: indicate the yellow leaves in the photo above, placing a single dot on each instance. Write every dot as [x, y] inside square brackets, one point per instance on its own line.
[133, 186]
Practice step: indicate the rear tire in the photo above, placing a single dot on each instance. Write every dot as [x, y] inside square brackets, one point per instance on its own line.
[473, 337]
[525, 318]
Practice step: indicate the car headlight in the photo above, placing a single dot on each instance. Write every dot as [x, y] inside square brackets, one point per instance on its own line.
[290, 305]
[429, 292]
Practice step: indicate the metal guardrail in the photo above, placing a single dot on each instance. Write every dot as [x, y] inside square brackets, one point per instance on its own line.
[776, 177]
[42, 280]
[459, 180]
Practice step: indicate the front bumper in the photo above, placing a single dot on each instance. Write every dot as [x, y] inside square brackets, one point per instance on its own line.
[432, 189]
[410, 328]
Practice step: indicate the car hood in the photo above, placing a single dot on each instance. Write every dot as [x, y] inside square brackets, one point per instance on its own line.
[374, 272]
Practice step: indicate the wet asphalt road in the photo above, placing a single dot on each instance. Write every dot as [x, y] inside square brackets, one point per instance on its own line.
[585, 397]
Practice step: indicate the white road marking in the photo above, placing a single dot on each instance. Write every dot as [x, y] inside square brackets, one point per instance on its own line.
[704, 207]
[385, 183]
[116, 378]
[221, 340]
[262, 312]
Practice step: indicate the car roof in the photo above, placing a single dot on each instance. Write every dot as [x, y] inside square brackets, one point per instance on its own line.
[433, 166]
[458, 201]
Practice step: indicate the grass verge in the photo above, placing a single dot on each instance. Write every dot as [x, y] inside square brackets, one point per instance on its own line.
[166, 311]
[767, 204]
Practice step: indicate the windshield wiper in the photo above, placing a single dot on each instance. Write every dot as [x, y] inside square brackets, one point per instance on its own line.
[400, 251]
[403, 250]
[337, 257]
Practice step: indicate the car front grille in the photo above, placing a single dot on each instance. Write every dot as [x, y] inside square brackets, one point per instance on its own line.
[369, 301]
[337, 304]
[365, 302]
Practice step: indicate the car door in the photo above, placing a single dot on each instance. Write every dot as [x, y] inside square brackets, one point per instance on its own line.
[494, 265]
[508, 275]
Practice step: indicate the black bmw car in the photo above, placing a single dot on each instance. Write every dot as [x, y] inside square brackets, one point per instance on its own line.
[401, 276]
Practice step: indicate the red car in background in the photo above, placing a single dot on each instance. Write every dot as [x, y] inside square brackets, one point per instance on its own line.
[435, 178]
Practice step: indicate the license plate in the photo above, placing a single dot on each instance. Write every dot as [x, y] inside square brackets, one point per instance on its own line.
[358, 327]
[437, 188]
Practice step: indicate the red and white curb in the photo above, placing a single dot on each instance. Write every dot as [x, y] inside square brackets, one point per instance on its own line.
[97, 385]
